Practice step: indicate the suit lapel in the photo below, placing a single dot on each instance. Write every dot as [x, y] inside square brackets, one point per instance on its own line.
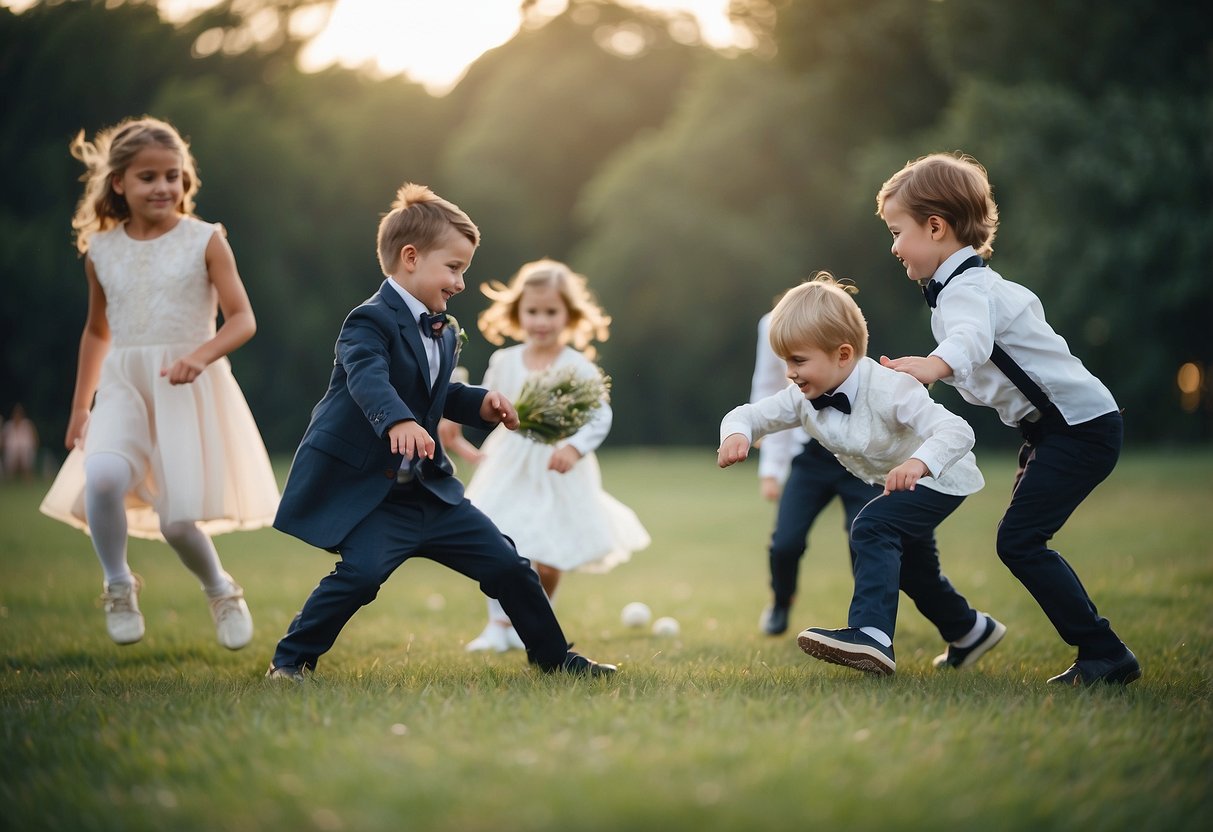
[409, 329]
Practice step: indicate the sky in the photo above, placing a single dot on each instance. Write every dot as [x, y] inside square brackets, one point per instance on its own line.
[432, 42]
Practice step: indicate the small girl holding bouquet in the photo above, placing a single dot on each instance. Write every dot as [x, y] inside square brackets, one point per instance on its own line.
[541, 485]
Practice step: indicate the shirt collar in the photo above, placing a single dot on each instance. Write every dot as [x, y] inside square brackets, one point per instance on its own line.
[415, 306]
[850, 385]
[948, 266]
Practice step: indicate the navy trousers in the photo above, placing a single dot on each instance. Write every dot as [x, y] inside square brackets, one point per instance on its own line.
[414, 522]
[814, 479]
[1059, 465]
[894, 542]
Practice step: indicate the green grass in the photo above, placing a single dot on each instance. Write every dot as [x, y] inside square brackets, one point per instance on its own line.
[720, 728]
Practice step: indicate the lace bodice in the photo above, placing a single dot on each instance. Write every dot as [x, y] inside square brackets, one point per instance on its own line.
[157, 291]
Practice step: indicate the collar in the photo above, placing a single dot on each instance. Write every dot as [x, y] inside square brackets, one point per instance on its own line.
[850, 385]
[955, 259]
[415, 306]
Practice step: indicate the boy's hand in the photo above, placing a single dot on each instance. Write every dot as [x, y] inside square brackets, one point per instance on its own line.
[497, 408]
[563, 459]
[927, 370]
[734, 448]
[906, 475]
[410, 440]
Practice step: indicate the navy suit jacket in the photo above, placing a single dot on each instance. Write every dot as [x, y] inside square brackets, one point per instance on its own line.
[344, 467]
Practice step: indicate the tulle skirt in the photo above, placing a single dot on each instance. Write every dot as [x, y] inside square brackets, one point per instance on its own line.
[195, 449]
[563, 520]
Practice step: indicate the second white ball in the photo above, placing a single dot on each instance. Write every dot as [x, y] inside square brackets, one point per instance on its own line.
[636, 614]
[666, 626]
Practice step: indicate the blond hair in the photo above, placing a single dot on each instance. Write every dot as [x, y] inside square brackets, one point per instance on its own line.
[587, 322]
[819, 313]
[107, 157]
[953, 186]
[421, 218]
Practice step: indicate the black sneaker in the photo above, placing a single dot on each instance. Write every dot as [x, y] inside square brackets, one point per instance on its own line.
[774, 619]
[850, 647]
[1087, 672]
[959, 657]
[286, 673]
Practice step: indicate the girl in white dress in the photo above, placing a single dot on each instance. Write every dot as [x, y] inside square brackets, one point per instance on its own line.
[547, 498]
[169, 450]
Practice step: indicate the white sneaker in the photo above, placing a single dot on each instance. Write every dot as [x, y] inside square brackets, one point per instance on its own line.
[233, 621]
[492, 638]
[122, 617]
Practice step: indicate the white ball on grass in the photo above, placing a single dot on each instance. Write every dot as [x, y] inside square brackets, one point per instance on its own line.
[666, 626]
[636, 614]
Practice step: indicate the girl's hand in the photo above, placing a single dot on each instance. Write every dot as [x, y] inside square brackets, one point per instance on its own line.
[734, 448]
[770, 489]
[410, 440]
[77, 429]
[927, 370]
[906, 475]
[497, 408]
[563, 459]
[183, 371]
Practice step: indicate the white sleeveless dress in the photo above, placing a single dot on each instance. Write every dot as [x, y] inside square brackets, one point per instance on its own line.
[195, 448]
[563, 520]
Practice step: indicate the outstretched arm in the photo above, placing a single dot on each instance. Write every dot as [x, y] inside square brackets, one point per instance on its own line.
[927, 370]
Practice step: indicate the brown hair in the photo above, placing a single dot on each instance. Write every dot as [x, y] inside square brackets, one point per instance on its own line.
[818, 313]
[952, 186]
[587, 321]
[108, 156]
[421, 218]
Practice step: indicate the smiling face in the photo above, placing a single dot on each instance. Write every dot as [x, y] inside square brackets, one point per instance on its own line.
[543, 315]
[435, 276]
[153, 186]
[920, 246]
[816, 371]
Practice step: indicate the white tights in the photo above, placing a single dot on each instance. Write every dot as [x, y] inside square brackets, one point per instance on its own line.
[107, 478]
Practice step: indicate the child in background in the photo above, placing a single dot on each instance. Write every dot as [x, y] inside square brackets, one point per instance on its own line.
[997, 349]
[803, 477]
[371, 480]
[548, 499]
[169, 449]
[885, 428]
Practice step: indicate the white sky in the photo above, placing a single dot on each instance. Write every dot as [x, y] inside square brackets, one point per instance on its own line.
[433, 41]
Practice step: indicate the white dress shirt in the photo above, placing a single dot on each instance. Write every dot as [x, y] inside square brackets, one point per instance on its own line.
[979, 307]
[777, 450]
[432, 347]
[892, 419]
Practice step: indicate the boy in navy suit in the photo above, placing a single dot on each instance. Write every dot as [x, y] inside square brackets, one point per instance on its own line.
[370, 480]
[997, 350]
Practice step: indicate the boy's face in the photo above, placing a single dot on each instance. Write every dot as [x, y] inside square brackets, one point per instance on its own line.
[816, 371]
[921, 247]
[435, 276]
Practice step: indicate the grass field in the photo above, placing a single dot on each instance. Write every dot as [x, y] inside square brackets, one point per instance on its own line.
[721, 728]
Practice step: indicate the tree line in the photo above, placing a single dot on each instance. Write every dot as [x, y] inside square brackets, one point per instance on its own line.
[690, 186]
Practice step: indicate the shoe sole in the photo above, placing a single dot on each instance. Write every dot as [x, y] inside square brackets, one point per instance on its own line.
[848, 655]
[978, 651]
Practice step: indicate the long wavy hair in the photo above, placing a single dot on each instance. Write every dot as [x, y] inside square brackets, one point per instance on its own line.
[587, 322]
[108, 156]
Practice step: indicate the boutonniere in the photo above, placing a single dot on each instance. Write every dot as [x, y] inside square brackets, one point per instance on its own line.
[461, 335]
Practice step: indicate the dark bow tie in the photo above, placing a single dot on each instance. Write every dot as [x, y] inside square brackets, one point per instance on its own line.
[838, 401]
[930, 292]
[432, 325]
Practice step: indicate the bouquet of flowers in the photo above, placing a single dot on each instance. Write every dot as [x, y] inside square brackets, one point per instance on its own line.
[556, 404]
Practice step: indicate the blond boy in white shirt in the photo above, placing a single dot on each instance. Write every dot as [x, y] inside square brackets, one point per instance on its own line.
[885, 428]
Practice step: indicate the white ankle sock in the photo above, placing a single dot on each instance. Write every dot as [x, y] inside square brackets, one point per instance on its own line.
[879, 635]
[979, 627]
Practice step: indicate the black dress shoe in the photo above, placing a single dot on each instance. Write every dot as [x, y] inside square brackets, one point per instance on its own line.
[1087, 672]
[774, 621]
[286, 674]
[579, 665]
